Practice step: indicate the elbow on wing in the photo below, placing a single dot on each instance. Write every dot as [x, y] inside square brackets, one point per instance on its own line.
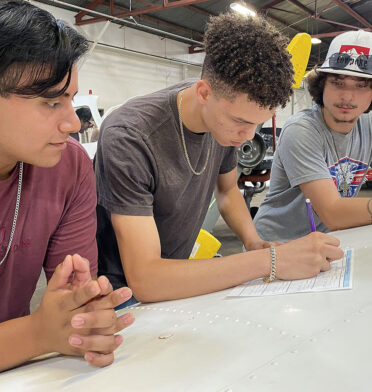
[331, 222]
[144, 286]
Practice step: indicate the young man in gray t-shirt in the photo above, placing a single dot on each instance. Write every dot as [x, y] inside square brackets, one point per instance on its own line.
[323, 153]
[161, 156]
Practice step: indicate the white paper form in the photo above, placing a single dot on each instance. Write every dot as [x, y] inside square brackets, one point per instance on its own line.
[339, 277]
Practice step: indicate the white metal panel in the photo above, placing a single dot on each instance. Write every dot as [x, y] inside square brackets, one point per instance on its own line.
[116, 75]
[297, 342]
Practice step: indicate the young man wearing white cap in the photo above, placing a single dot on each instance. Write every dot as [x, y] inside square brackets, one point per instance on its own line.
[324, 152]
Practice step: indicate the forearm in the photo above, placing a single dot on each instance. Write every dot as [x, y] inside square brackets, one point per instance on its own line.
[19, 342]
[347, 212]
[236, 214]
[167, 279]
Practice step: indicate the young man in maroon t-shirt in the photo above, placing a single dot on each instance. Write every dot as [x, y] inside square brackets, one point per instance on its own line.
[47, 199]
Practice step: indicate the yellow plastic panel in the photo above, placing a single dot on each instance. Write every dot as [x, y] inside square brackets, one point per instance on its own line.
[206, 246]
[299, 48]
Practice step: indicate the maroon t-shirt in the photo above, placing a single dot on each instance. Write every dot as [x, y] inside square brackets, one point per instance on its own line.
[56, 217]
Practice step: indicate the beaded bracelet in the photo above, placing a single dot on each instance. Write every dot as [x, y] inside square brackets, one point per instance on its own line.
[271, 278]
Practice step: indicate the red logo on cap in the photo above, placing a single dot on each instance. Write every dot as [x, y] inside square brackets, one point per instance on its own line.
[358, 49]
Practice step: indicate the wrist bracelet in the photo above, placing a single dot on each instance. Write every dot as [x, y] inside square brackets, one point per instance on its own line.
[271, 278]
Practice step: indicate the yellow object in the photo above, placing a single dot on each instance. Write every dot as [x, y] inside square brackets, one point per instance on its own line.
[299, 48]
[206, 246]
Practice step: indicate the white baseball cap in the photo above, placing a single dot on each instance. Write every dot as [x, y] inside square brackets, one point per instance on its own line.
[350, 53]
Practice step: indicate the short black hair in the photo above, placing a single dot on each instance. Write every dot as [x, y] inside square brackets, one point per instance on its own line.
[34, 43]
[316, 81]
[247, 55]
[84, 114]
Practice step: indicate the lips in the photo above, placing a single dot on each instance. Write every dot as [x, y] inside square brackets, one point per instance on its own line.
[236, 144]
[59, 145]
[344, 109]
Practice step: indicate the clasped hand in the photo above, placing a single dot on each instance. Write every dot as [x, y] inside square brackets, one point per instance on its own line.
[78, 317]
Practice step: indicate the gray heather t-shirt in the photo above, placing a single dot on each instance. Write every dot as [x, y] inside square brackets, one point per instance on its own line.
[306, 152]
[141, 170]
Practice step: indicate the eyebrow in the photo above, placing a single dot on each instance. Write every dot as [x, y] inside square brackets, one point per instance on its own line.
[64, 95]
[68, 95]
[242, 120]
[349, 77]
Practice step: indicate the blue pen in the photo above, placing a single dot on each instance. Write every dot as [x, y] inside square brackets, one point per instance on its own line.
[310, 215]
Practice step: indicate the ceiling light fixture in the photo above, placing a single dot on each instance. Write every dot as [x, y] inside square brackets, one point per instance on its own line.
[315, 41]
[242, 9]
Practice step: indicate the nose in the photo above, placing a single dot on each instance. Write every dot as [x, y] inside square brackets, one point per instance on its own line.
[70, 122]
[347, 94]
[247, 133]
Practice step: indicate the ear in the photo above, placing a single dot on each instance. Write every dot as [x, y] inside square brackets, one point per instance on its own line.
[203, 91]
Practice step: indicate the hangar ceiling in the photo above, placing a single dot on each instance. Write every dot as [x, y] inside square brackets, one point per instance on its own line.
[185, 20]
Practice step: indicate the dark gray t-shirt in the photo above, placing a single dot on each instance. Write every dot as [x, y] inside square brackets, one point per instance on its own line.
[141, 170]
[306, 152]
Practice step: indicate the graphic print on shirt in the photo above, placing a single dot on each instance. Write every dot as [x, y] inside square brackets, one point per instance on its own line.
[4, 241]
[350, 170]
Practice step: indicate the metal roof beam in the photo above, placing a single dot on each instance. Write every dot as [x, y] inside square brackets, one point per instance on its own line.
[164, 22]
[325, 8]
[91, 6]
[275, 2]
[149, 18]
[173, 26]
[155, 8]
[286, 11]
[299, 5]
[325, 35]
[199, 10]
[283, 23]
[264, 10]
[308, 11]
[338, 23]
[354, 14]
[190, 7]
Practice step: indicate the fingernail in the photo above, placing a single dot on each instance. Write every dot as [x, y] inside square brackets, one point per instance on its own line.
[118, 340]
[88, 357]
[75, 341]
[64, 262]
[106, 282]
[77, 322]
[127, 317]
[125, 294]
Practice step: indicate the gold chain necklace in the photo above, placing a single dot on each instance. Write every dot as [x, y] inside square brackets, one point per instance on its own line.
[184, 143]
[20, 174]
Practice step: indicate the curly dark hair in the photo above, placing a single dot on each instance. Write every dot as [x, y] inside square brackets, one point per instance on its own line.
[316, 81]
[247, 55]
[33, 42]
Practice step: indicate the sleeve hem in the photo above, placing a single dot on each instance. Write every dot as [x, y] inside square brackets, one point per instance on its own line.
[228, 170]
[127, 210]
[302, 180]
